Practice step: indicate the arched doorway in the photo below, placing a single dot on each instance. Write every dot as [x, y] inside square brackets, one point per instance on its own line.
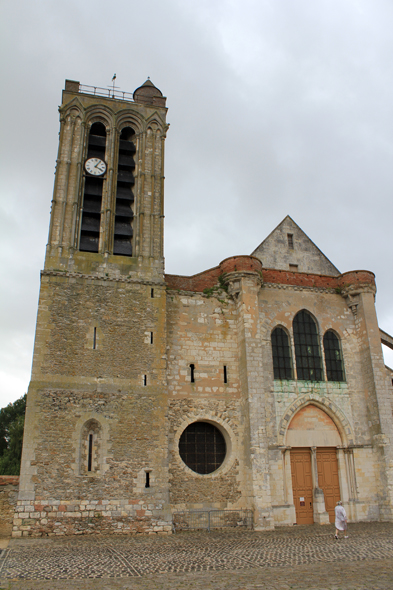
[314, 438]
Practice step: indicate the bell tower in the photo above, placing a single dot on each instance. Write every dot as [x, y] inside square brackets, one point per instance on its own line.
[95, 441]
[107, 208]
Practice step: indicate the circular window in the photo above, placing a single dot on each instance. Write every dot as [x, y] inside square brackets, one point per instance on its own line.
[202, 447]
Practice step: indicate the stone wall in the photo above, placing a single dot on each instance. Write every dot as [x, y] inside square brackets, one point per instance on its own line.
[9, 486]
[202, 330]
[111, 385]
[276, 251]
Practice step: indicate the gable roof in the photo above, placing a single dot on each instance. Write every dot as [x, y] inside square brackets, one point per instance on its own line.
[287, 247]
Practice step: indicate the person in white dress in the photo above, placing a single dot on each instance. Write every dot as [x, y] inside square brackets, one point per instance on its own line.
[341, 520]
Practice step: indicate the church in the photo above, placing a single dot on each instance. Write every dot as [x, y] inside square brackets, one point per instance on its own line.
[255, 386]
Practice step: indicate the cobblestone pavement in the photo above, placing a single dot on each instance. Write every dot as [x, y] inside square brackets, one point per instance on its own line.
[297, 558]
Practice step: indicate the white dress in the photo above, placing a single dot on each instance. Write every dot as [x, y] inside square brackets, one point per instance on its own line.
[341, 518]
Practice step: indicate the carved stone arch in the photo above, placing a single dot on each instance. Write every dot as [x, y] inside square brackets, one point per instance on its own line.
[335, 332]
[226, 430]
[99, 114]
[328, 406]
[128, 118]
[156, 117]
[73, 110]
[154, 123]
[282, 326]
[313, 317]
[75, 103]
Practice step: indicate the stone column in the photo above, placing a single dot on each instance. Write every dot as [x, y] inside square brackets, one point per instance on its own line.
[287, 485]
[319, 509]
[347, 479]
[244, 281]
[360, 291]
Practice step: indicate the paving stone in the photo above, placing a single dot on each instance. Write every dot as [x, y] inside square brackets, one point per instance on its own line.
[298, 558]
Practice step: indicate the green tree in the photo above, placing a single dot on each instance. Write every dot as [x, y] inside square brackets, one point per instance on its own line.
[12, 421]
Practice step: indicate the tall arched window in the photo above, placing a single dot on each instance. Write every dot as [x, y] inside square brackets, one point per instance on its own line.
[307, 349]
[122, 243]
[92, 200]
[281, 349]
[333, 357]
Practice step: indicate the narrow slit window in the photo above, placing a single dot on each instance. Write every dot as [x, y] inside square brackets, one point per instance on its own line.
[225, 374]
[152, 293]
[90, 448]
[290, 241]
[95, 339]
[90, 454]
[192, 373]
[145, 380]
[147, 479]
[151, 337]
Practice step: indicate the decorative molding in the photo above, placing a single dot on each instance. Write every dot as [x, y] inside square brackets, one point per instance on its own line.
[80, 275]
[325, 404]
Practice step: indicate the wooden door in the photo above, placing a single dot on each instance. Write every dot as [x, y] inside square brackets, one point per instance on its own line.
[328, 478]
[302, 485]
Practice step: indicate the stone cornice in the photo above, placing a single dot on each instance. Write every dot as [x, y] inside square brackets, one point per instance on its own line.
[101, 278]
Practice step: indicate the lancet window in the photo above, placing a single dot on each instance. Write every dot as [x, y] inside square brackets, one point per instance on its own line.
[281, 349]
[307, 347]
[333, 357]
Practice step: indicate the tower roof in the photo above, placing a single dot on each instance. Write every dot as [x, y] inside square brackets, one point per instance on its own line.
[149, 94]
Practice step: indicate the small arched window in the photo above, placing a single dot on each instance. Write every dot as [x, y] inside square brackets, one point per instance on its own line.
[90, 461]
[333, 357]
[307, 348]
[281, 349]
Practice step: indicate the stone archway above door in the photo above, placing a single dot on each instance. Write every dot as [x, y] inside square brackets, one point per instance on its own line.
[312, 427]
[326, 405]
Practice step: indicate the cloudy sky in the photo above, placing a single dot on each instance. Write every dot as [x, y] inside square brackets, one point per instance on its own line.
[276, 107]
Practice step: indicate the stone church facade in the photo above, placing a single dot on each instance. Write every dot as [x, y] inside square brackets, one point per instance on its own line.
[258, 384]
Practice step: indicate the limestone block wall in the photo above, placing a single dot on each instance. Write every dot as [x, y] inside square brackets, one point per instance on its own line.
[368, 484]
[99, 367]
[202, 330]
[278, 306]
[99, 329]
[345, 402]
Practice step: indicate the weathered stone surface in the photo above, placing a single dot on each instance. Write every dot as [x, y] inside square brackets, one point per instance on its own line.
[126, 358]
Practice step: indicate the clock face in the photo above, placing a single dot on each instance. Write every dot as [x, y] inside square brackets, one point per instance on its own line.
[95, 166]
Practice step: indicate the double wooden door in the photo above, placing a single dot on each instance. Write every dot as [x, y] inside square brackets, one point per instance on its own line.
[302, 482]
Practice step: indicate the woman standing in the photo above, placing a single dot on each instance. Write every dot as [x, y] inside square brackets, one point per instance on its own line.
[341, 520]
